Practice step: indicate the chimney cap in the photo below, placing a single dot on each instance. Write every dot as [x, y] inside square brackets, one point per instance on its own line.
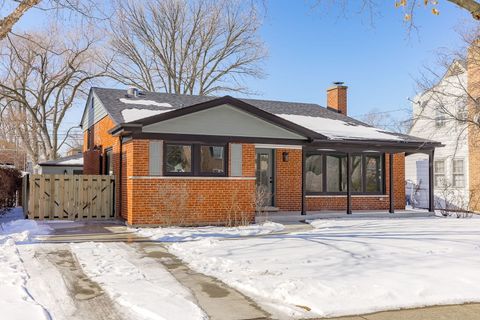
[338, 83]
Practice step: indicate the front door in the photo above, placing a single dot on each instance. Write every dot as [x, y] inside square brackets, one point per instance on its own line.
[264, 174]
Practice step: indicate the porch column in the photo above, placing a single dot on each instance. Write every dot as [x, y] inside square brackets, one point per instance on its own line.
[304, 158]
[349, 187]
[390, 193]
[431, 195]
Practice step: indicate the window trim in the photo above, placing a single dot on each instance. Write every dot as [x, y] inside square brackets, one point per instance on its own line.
[458, 174]
[196, 159]
[435, 174]
[363, 167]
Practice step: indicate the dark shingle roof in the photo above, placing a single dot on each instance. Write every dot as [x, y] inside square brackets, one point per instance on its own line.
[110, 98]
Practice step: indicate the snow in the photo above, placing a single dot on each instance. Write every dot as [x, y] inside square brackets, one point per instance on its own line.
[175, 234]
[78, 162]
[348, 266]
[146, 103]
[137, 283]
[15, 299]
[338, 129]
[134, 114]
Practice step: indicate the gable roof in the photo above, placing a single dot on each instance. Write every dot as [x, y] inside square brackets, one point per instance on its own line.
[311, 120]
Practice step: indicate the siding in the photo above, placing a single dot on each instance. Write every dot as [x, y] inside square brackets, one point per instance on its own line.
[92, 114]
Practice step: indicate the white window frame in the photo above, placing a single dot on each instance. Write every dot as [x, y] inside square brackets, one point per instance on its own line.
[440, 120]
[435, 173]
[454, 174]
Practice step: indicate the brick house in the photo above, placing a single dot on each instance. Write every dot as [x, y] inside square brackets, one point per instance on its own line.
[213, 160]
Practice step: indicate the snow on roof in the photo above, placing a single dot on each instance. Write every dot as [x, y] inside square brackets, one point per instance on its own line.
[134, 114]
[146, 103]
[75, 160]
[338, 129]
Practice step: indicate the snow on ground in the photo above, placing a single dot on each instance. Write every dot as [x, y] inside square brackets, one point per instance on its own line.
[176, 234]
[348, 266]
[15, 299]
[140, 284]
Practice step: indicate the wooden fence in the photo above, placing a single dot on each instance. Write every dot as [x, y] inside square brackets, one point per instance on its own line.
[72, 197]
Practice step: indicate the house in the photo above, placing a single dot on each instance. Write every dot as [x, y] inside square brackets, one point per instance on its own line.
[213, 160]
[442, 113]
[67, 165]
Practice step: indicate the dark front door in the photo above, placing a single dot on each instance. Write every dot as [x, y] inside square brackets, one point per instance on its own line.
[264, 175]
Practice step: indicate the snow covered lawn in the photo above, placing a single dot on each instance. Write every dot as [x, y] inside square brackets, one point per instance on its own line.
[16, 301]
[348, 266]
[177, 234]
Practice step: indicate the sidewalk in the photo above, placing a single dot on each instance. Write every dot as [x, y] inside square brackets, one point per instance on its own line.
[451, 312]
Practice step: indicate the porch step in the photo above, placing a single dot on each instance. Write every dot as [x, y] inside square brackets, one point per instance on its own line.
[268, 209]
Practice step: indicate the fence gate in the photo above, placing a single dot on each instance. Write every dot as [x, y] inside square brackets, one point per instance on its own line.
[55, 196]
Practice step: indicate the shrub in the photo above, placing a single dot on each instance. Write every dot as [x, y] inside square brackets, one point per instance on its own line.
[10, 183]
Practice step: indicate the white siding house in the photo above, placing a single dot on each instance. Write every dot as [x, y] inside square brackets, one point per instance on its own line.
[437, 115]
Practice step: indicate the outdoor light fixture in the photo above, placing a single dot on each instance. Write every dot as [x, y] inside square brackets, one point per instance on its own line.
[285, 156]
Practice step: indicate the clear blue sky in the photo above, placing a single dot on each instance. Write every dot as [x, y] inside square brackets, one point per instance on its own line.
[309, 49]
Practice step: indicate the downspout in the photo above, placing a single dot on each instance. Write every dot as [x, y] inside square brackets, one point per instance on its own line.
[120, 178]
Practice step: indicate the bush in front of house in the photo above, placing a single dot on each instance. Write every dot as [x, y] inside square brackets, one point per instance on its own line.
[10, 182]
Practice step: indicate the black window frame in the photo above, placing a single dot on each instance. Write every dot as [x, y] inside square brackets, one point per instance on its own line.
[363, 172]
[196, 159]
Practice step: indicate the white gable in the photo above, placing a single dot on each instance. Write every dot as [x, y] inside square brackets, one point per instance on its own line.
[223, 120]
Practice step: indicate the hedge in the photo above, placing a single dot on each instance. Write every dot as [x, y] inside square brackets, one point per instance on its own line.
[10, 183]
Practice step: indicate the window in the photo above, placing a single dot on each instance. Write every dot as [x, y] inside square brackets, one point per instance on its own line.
[178, 159]
[108, 159]
[458, 173]
[195, 159]
[314, 173]
[327, 173]
[212, 160]
[462, 113]
[439, 173]
[336, 173]
[439, 118]
[356, 183]
[373, 174]
[89, 139]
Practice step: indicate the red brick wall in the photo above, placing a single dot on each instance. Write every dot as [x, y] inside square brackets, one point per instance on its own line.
[102, 140]
[289, 186]
[185, 200]
[288, 180]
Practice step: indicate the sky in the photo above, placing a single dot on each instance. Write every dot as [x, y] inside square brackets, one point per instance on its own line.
[309, 48]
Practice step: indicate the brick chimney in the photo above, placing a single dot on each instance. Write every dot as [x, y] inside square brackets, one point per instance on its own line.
[337, 98]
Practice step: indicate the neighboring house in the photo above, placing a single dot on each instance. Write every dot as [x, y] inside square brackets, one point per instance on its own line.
[205, 160]
[12, 156]
[68, 165]
[440, 114]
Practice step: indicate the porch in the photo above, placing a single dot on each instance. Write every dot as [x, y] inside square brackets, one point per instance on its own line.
[295, 217]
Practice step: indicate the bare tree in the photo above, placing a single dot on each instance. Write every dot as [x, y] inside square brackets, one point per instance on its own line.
[398, 120]
[409, 7]
[42, 76]
[17, 8]
[186, 47]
